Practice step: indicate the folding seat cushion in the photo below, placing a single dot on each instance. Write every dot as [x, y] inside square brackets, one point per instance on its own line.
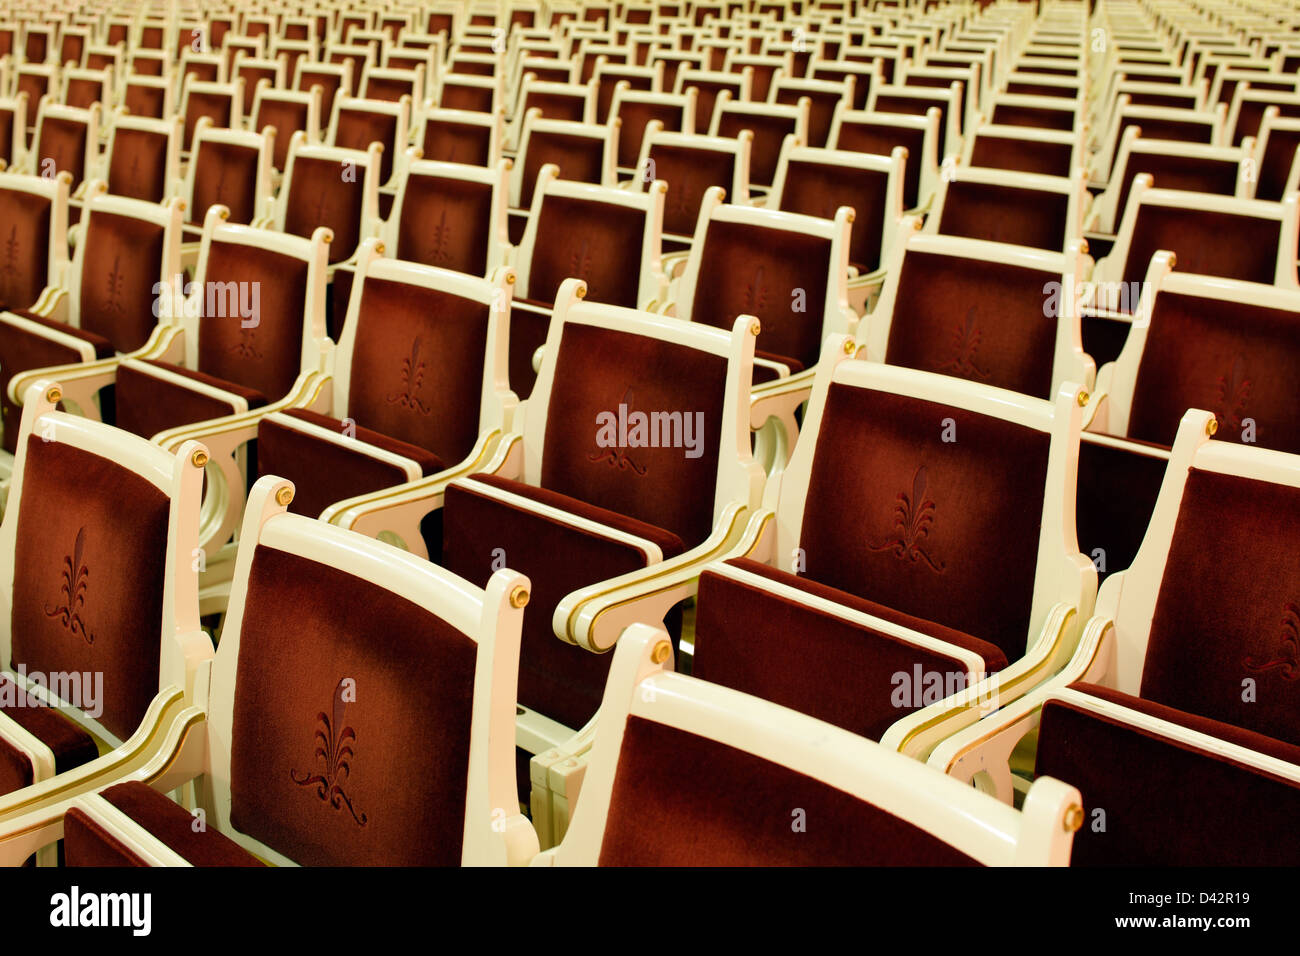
[128, 250]
[422, 365]
[677, 787]
[607, 237]
[97, 529]
[339, 652]
[1175, 681]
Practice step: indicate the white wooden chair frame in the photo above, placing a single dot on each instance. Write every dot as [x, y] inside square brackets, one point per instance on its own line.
[497, 176]
[929, 124]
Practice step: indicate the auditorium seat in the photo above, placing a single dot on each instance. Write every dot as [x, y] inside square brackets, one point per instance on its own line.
[142, 157]
[584, 154]
[1023, 209]
[226, 167]
[768, 123]
[679, 787]
[1175, 681]
[295, 654]
[460, 136]
[635, 111]
[881, 133]
[692, 165]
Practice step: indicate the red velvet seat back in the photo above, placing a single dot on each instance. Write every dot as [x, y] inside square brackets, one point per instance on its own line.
[1038, 117]
[1035, 218]
[1193, 173]
[1234, 358]
[881, 140]
[945, 531]
[769, 134]
[819, 189]
[417, 366]
[63, 143]
[225, 173]
[357, 129]
[580, 158]
[216, 106]
[707, 96]
[770, 273]
[137, 167]
[689, 174]
[821, 111]
[7, 136]
[977, 320]
[286, 117]
[327, 81]
[462, 96]
[35, 85]
[605, 92]
[684, 800]
[1206, 243]
[262, 352]
[320, 196]
[636, 116]
[146, 101]
[599, 370]
[352, 712]
[88, 587]
[1183, 132]
[556, 106]
[916, 106]
[1251, 116]
[446, 223]
[124, 259]
[252, 75]
[24, 247]
[389, 89]
[597, 242]
[452, 142]
[82, 93]
[1275, 166]
[1225, 635]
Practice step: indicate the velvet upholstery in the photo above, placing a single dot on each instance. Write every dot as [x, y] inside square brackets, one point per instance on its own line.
[417, 367]
[1231, 357]
[580, 159]
[446, 223]
[689, 173]
[1139, 780]
[1251, 118]
[598, 242]
[71, 745]
[319, 196]
[340, 683]
[819, 189]
[146, 404]
[769, 646]
[1012, 214]
[556, 106]
[946, 531]
[1228, 609]
[451, 142]
[328, 82]
[605, 92]
[636, 116]
[63, 143]
[138, 165]
[560, 680]
[1177, 130]
[86, 843]
[761, 271]
[684, 800]
[1275, 166]
[82, 93]
[1206, 243]
[461, 96]
[918, 106]
[1050, 159]
[769, 132]
[530, 322]
[124, 258]
[88, 590]
[973, 319]
[1038, 117]
[7, 136]
[286, 117]
[597, 371]
[217, 106]
[821, 110]
[147, 101]
[324, 471]
[881, 140]
[1176, 171]
[358, 128]
[226, 174]
[706, 97]
[1116, 495]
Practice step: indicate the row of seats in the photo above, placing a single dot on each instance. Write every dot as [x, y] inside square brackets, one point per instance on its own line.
[844, 405]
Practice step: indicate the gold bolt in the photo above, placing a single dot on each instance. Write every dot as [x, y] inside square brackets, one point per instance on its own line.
[199, 459]
[510, 278]
[755, 327]
[660, 652]
[1073, 818]
[850, 346]
[519, 596]
[379, 248]
[284, 496]
[54, 394]
[582, 290]
[1211, 426]
[1082, 398]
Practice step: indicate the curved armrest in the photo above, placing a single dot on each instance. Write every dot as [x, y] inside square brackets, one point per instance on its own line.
[595, 616]
[918, 733]
[986, 747]
[398, 511]
[229, 431]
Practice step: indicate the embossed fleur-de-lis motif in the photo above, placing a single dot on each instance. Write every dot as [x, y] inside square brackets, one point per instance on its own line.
[412, 379]
[1234, 392]
[1287, 657]
[439, 241]
[913, 518]
[246, 347]
[580, 260]
[618, 457]
[335, 749]
[756, 292]
[966, 342]
[113, 291]
[13, 249]
[75, 583]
